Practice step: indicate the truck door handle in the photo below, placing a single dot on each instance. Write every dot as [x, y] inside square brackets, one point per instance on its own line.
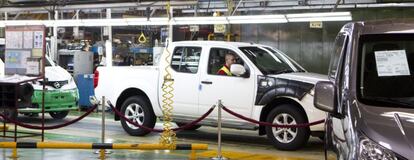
[206, 82]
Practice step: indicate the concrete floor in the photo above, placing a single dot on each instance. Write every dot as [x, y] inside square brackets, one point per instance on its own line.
[237, 144]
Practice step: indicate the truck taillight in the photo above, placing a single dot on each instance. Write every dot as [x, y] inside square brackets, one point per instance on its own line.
[95, 78]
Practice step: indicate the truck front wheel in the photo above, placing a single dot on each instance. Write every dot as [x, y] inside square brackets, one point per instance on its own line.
[138, 110]
[287, 138]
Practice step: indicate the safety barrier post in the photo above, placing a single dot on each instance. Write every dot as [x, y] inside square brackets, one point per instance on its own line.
[219, 154]
[103, 152]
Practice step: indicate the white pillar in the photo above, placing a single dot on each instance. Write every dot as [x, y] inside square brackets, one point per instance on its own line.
[170, 28]
[108, 43]
[53, 41]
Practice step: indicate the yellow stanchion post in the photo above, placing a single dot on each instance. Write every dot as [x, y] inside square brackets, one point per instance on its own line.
[14, 154]
[102, 154]
[193, 155]
[4, 128]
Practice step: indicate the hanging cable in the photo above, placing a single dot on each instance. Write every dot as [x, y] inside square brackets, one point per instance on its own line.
[188, 125]
[5, 117]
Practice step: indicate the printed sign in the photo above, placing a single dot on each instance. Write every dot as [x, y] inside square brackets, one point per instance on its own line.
[316, 24]
[38, 39]
[33, 67]
[392, 63]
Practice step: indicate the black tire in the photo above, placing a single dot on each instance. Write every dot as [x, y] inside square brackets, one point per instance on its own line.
[285, 139]
[146, 119]
[31, 114]
[59, 115]
[192, 128]
[10, 113]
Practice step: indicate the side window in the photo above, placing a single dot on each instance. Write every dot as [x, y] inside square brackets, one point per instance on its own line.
[217, 60]
[186, 59]
[339, 48]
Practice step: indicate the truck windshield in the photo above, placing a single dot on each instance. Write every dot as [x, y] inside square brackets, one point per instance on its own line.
[265, 61]
[386, 70]
[287, 59]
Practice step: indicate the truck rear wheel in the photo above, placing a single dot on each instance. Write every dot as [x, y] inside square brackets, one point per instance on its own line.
[138, 110]
[287, 138]
[59, 115]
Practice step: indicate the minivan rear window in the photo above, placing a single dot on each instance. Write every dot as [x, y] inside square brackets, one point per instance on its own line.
[386, 70]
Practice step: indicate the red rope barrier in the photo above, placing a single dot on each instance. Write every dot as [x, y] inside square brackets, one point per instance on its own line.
[161, 130]
[271, 124]
[49, 127]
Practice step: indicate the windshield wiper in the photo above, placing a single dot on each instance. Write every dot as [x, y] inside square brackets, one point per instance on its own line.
[390, 100]
[284, 71]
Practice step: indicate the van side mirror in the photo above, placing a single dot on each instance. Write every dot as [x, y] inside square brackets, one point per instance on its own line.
[239, 70]
[325, 96]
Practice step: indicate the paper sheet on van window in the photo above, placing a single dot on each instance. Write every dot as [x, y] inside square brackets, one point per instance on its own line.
[392, 63]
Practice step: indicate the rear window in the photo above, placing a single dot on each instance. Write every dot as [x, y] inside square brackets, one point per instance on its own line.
[386, 70]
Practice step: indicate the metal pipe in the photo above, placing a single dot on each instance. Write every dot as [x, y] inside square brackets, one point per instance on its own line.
[309, 7]
[235, 9]
[70, 145]
[98, 6]
[103, 120]
[219, 154]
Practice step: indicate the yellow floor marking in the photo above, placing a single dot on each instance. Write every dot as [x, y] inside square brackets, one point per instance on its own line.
[246, 156]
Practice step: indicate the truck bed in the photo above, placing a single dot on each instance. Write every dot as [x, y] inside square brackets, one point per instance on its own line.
[114, 80]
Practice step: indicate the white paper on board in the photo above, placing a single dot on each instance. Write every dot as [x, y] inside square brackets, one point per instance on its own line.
[32, 68]
[14, 40]
[392, 63]
[28, 39]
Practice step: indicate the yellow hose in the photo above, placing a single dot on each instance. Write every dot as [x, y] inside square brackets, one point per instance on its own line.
[168, 137]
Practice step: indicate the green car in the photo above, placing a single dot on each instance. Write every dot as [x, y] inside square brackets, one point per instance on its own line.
[61, 94]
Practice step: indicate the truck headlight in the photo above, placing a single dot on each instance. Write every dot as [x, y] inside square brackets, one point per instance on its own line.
[369, 150]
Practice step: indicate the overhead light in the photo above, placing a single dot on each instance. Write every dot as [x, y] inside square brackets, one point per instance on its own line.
[257, 19]
[199, 20]
[325, 16]
[23, 23]
[145, 21]
[250, 19]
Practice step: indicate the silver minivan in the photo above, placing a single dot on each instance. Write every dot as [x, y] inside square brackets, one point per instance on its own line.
[370, 92]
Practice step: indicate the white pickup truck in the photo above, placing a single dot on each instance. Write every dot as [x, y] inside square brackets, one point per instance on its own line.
[268, 86]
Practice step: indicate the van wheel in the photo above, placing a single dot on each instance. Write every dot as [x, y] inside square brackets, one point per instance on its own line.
[138, 110]
[287, 138]
[59, 115]
[195, 127]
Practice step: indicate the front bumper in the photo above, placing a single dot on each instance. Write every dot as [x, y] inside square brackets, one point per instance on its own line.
[56, 100]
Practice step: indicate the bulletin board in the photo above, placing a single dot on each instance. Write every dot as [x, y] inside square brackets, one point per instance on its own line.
[25, 47]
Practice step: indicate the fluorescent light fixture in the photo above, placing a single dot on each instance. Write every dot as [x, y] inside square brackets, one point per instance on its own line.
[327, 16]
[199, 20]
[23, 23]
[255, 19]
[145, 21]
[250, 19]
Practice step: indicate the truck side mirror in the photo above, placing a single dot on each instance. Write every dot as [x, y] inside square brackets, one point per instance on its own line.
[238, 70]
[325, 96]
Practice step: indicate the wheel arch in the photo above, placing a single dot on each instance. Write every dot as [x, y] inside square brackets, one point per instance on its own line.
[129, 93]
[276, 102]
